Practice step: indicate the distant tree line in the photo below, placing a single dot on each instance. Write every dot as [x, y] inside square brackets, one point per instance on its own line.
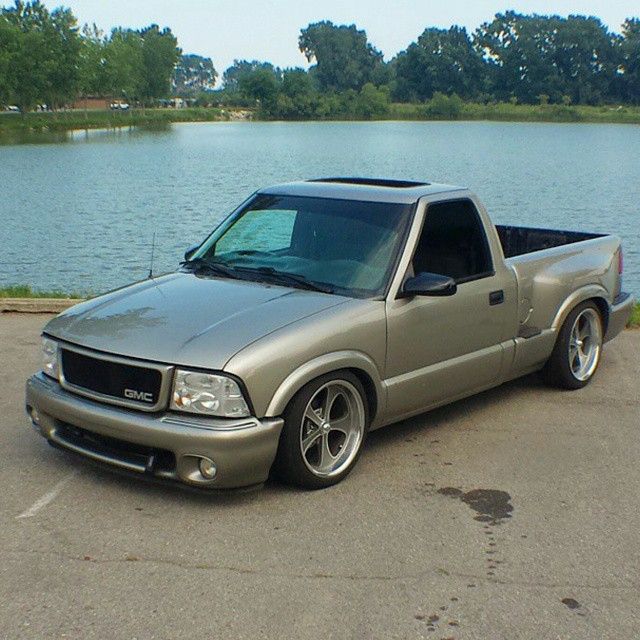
[530, 59]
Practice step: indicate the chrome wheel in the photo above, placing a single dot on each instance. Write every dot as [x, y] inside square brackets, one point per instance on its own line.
[332, 428]
[585, 344]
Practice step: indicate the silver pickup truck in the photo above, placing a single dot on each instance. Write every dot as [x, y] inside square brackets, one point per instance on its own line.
[316, 312]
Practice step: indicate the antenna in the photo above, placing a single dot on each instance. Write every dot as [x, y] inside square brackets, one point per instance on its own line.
[153, 248]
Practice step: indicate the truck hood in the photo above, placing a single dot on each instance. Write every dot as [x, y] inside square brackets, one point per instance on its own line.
[185, 319]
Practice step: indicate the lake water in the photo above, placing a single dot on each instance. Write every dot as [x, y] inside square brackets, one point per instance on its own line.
[80, 215]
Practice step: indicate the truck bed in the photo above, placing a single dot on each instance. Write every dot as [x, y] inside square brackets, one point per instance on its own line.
[517, 241]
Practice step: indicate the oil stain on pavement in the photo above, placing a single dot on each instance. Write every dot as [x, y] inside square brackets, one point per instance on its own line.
[491, 505]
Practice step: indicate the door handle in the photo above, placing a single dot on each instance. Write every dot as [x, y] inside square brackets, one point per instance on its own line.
[496, 297]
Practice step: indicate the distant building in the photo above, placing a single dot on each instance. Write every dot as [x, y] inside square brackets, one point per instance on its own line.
[175, 103]
[91, 103]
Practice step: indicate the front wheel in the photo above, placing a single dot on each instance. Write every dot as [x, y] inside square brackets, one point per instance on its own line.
[325, 426]
[578, 348]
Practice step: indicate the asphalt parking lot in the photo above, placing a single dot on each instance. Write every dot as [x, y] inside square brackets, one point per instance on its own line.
[513, 514]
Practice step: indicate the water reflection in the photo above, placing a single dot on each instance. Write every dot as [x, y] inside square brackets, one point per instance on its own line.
[116, 325]
[115, 134]
[34, 137]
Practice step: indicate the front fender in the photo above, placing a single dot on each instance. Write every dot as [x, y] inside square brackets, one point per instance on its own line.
[325, 364]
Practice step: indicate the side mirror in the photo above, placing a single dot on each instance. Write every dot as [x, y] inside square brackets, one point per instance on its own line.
[429, 284]
[190, 251]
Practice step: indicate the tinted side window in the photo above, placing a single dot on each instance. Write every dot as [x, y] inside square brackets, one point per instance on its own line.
[453, 242]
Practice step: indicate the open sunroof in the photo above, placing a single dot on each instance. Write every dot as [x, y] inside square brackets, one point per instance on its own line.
[375, 182]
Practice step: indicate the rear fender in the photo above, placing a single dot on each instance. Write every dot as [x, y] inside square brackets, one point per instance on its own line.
[582, 294]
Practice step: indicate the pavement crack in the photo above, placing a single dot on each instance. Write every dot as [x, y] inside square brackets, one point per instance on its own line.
[237, 569]
[130, 558]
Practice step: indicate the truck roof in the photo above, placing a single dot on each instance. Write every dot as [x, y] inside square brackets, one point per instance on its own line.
[367, 189]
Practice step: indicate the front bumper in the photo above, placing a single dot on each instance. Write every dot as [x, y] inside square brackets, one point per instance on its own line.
[619, 314]
[165, 445]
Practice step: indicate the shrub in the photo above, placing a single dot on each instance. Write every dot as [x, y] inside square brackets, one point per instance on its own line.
[442, 106]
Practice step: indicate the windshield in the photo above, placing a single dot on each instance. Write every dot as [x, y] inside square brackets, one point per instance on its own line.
[344, 246]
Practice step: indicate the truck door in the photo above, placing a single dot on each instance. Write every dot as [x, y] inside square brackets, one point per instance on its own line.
[440, 348]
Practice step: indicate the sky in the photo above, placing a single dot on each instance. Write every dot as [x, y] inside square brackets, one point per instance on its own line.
[268, 29]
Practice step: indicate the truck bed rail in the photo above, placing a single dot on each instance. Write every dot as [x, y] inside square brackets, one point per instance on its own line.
[517, 241]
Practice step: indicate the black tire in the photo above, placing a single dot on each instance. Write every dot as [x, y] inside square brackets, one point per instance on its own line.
[557, 371]
[290, 466]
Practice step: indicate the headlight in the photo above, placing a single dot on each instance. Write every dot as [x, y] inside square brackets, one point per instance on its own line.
[50, 358]
[208, 394]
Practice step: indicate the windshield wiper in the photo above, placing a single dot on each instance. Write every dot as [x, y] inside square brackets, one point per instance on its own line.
[202, 264]
[238, 272]
[286, 278]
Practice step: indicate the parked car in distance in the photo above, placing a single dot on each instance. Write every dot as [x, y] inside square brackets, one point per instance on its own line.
[119, 106]
[316, 312]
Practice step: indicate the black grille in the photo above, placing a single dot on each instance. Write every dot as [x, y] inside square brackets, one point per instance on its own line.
[150, 458]
[121, 381]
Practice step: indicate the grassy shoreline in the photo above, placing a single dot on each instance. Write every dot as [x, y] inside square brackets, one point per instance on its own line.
[64, 121]
[508, 112]
[25, 291]
[634, 321]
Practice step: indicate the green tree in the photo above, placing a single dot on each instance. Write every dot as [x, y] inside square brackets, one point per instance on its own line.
[585, 56]
[443, 106]
[520, 51]
[28, 78]
[297, 82]
[45, 54]
[299, 97]
[443, 60]
[630, 60]
[92, 76]
[344, 57]
[63, 48]
[532, 55]
[123, 64]
[193, 75]
[160, 54]
[372, 102]
[260, 86]
[9, 44]
[232, 76]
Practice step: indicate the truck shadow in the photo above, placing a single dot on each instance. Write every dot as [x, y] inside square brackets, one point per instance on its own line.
[450, 413]
[172, 492]
[427, 423]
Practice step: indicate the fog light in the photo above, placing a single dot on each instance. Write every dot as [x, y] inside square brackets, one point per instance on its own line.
[35, 416]
[208, 468]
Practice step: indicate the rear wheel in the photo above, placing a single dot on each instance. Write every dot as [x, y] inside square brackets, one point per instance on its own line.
[325, 427]
[577, 351]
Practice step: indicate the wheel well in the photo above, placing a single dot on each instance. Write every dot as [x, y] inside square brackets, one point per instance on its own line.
[366, 381]
[369, 389]
[603, 307]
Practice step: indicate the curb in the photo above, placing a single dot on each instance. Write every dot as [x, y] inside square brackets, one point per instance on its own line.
[36, 305]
